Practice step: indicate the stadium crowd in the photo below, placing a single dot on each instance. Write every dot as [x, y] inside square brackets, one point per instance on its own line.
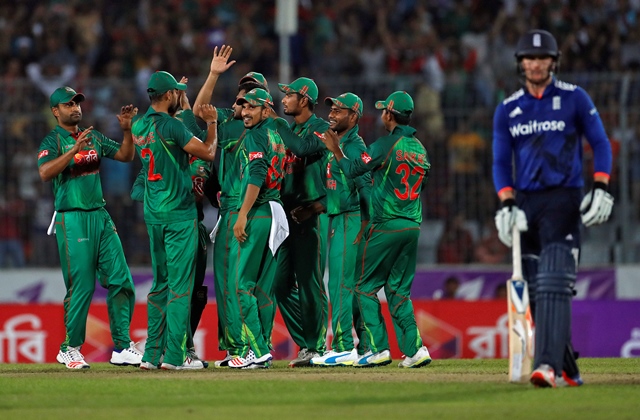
[454, 56]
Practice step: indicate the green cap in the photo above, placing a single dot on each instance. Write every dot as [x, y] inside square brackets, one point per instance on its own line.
[256, 97]
[304, 86]
[255, 77]
[347, 101]
[161, 82]
[63, 95]
[398, 103]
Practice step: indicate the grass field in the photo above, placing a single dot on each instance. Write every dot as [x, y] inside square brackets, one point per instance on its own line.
[447, 389]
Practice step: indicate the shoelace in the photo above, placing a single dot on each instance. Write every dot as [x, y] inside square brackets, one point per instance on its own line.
[75, 354]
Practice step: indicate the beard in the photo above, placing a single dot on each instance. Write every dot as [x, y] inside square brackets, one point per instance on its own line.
[173, 108]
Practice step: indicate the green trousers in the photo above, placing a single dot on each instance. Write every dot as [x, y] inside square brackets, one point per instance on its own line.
[254, 276]
[225, 251]
[300, 290]
[388, 259]
[173, 257]
[199, 295]
[342, 267]
[90, 247]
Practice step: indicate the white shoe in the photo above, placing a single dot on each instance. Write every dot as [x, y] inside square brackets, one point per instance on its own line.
[224, 362]
[370, 359]
[250, 359]
[72, 358]
[303, 359]
[126, 357]
[188, 364]
[192, 354]
[543, 377]
[336, 358]
[421, 358]
[148, 366]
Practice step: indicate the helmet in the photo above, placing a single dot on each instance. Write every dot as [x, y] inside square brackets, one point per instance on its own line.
[537, 42]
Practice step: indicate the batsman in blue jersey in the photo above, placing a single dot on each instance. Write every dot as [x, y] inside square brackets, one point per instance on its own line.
[539, 131]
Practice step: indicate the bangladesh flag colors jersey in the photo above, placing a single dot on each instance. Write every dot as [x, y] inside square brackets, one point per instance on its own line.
[78, 187]
[304, 180]
[159, 141]
[230, 135]
[400, 167]
[347, 194]
[262, 156]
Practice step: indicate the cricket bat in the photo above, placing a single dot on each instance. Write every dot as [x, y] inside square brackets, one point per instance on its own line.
[520, 320]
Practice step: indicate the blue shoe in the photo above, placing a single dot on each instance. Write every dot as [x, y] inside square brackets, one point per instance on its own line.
[566, 381]
[370, 359]
[336, 358]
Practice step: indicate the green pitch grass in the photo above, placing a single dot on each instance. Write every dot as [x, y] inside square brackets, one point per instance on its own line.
[447, 389]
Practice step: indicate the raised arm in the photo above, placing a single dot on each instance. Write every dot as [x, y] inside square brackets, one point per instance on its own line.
[127, 150]
[219, 64]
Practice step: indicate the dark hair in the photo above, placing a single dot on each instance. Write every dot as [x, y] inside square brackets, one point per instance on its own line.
[155, 97]
[400, 119]
[310, 103]
[247, 86]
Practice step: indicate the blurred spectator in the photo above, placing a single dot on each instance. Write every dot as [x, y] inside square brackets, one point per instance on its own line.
[456, 243]
[500, 292]
[489, 249]
[12, 209]
[449, 289]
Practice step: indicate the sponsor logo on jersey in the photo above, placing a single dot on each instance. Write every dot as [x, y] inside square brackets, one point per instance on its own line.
[83, 239]
[329, 170]
[365, 157]
[555, 103]
[255, 155]
[515, 112]
[43, 154]
[85, 157]
[536, 127]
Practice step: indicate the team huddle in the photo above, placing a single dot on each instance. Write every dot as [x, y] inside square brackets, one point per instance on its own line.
[289, 193]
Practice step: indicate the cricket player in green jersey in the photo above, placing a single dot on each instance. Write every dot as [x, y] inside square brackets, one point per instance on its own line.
[88, 243]
[231, 132]
[260, 227]
[348, 210]
[400, 167]
[164, 146]
[300, 289]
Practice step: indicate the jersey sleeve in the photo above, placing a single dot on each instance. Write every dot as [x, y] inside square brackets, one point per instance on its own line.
[48, 150]
[137, 190]
[502, 151]
[178, 132]
[257, 153]
[299, 146]
[109, 147]
[592, 127]
[368, 160]
[353, 150]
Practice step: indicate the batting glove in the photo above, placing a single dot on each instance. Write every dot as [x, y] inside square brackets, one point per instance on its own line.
[508, 216]
[596, 205]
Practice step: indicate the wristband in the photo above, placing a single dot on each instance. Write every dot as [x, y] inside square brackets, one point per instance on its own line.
[211, 123]
[601, 185]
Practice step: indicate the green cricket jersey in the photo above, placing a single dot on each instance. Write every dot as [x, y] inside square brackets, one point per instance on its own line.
[348, 194]
[262, 156]
[400, 167]
[304, 180]
[78, 187]
[159, 141]
[230, 136]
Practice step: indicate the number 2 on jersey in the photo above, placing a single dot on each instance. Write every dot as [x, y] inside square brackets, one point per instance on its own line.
[412, 192]
[151, 175]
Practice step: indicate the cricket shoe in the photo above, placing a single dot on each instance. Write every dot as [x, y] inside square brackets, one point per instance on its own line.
[188, 364]
[72, 358]
[421, 358]
[303, 359]
[148, 366]
[335, 358]
[250, 359]
[567, 381]
[544, 377]
[224, 362]
[192, 354]
[370, 359]
[126, 357]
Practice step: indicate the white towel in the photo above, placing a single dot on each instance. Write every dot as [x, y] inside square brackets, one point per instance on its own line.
[279, 227]
[212, 235]
[52, 226]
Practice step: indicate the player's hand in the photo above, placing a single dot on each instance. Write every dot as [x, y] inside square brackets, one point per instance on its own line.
[208, 113]
[220, 61]
[82, 140]
[330, 140]
[508, 216]
[596, 205]
[127, 113]
[300, 214]
[239, 228]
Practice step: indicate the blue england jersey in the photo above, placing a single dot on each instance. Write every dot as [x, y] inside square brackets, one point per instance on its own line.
[543, 137]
